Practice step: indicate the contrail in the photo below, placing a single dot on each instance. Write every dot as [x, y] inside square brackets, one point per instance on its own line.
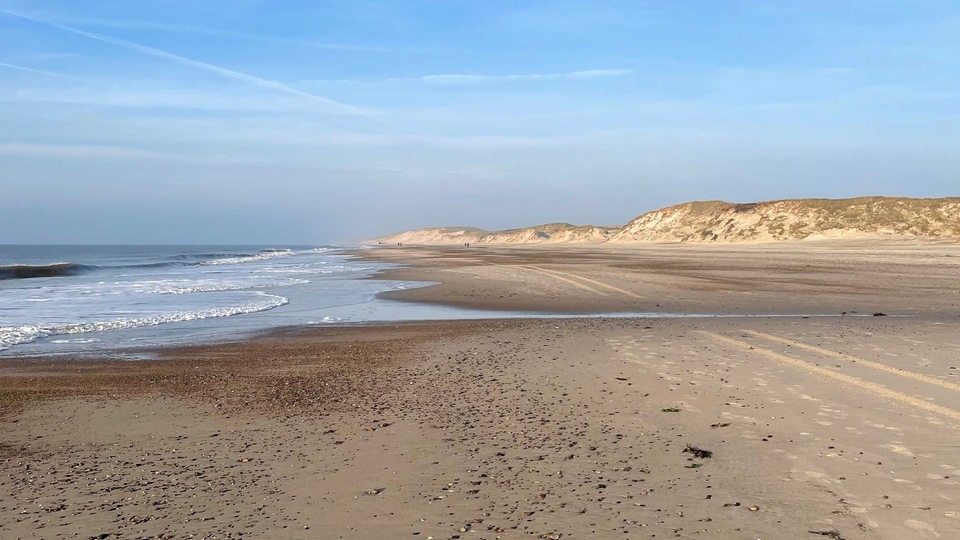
[37, 71]
[200, 30]
[222, 71]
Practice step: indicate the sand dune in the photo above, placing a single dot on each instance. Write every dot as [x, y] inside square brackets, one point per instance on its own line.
[547, 233]
[723, 222]
[797, 219]
[433, 236]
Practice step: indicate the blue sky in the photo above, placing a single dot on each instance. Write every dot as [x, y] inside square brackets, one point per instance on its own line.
[302, 121]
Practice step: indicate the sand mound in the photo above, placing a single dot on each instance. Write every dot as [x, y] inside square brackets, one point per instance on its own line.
[719, 221]
[551, 232]
[432, 236]
[797, 219]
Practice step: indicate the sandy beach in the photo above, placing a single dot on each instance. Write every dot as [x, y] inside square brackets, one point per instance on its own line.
[831, 277]
[825, 426]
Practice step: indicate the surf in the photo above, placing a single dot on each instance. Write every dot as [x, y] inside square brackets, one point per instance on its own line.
[29, 271]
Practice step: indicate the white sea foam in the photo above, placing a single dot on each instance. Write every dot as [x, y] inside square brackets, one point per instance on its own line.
[14, 335]
[262, 256]
[326, 320]
[161, 286]
[75, 340]
[238, 284]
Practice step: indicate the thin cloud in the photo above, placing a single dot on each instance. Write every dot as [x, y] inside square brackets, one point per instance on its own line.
[43, 57]
[222, 71]
[114, 152]
[36, 71]
[79, 151]
[233, 34]
[469, 78]
[463, 78]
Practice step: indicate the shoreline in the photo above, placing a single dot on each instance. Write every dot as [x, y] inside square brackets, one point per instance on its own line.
[649, 280]
[565, 427]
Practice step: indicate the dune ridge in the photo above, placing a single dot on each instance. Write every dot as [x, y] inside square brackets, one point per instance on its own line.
[550, 232]
[724, 222]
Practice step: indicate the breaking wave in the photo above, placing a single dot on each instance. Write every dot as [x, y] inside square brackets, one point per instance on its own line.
[14, 335]
[263, 255]
[27, 271]
[63, 269]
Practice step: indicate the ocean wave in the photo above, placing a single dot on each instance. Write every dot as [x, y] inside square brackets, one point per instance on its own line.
[211, 255]
[166, 264]
[145, 288]
[58, 269]
[239, 285]
[15, 335]
[64, 269]
[263, 255]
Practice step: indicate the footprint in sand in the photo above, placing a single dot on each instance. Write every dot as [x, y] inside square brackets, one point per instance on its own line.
[821, 477]
[881, 426]
[922, 526]
[907, 483]
[897, 449]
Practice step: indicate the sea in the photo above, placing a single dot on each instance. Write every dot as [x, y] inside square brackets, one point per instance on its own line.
[113, 300]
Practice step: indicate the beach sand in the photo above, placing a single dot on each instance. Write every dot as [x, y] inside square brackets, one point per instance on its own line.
[828, 277]
[819, 427]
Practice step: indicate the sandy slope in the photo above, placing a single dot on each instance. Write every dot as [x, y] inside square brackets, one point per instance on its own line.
[550, 233]
[723, 222]
[433, 236]
[797, 219]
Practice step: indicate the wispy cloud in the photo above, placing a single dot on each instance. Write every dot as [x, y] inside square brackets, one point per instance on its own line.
[219, 70]
[217, 32]
[79, 151]
[142, 97]
[36, 71]
[42, 57]
[467, 78]
[473, 78]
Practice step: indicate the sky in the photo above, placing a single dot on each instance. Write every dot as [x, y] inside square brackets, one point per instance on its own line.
[304, 121]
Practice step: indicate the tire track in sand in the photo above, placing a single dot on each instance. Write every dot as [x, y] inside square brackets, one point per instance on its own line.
[558, 274]
[862, 361]
[561, 278]
[875, 388]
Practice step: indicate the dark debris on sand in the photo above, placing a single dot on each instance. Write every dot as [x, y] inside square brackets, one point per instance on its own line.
[833, 534]
[697, 452]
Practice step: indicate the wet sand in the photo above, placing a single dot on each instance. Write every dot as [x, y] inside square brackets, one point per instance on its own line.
[834, 427]
[800, 277]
